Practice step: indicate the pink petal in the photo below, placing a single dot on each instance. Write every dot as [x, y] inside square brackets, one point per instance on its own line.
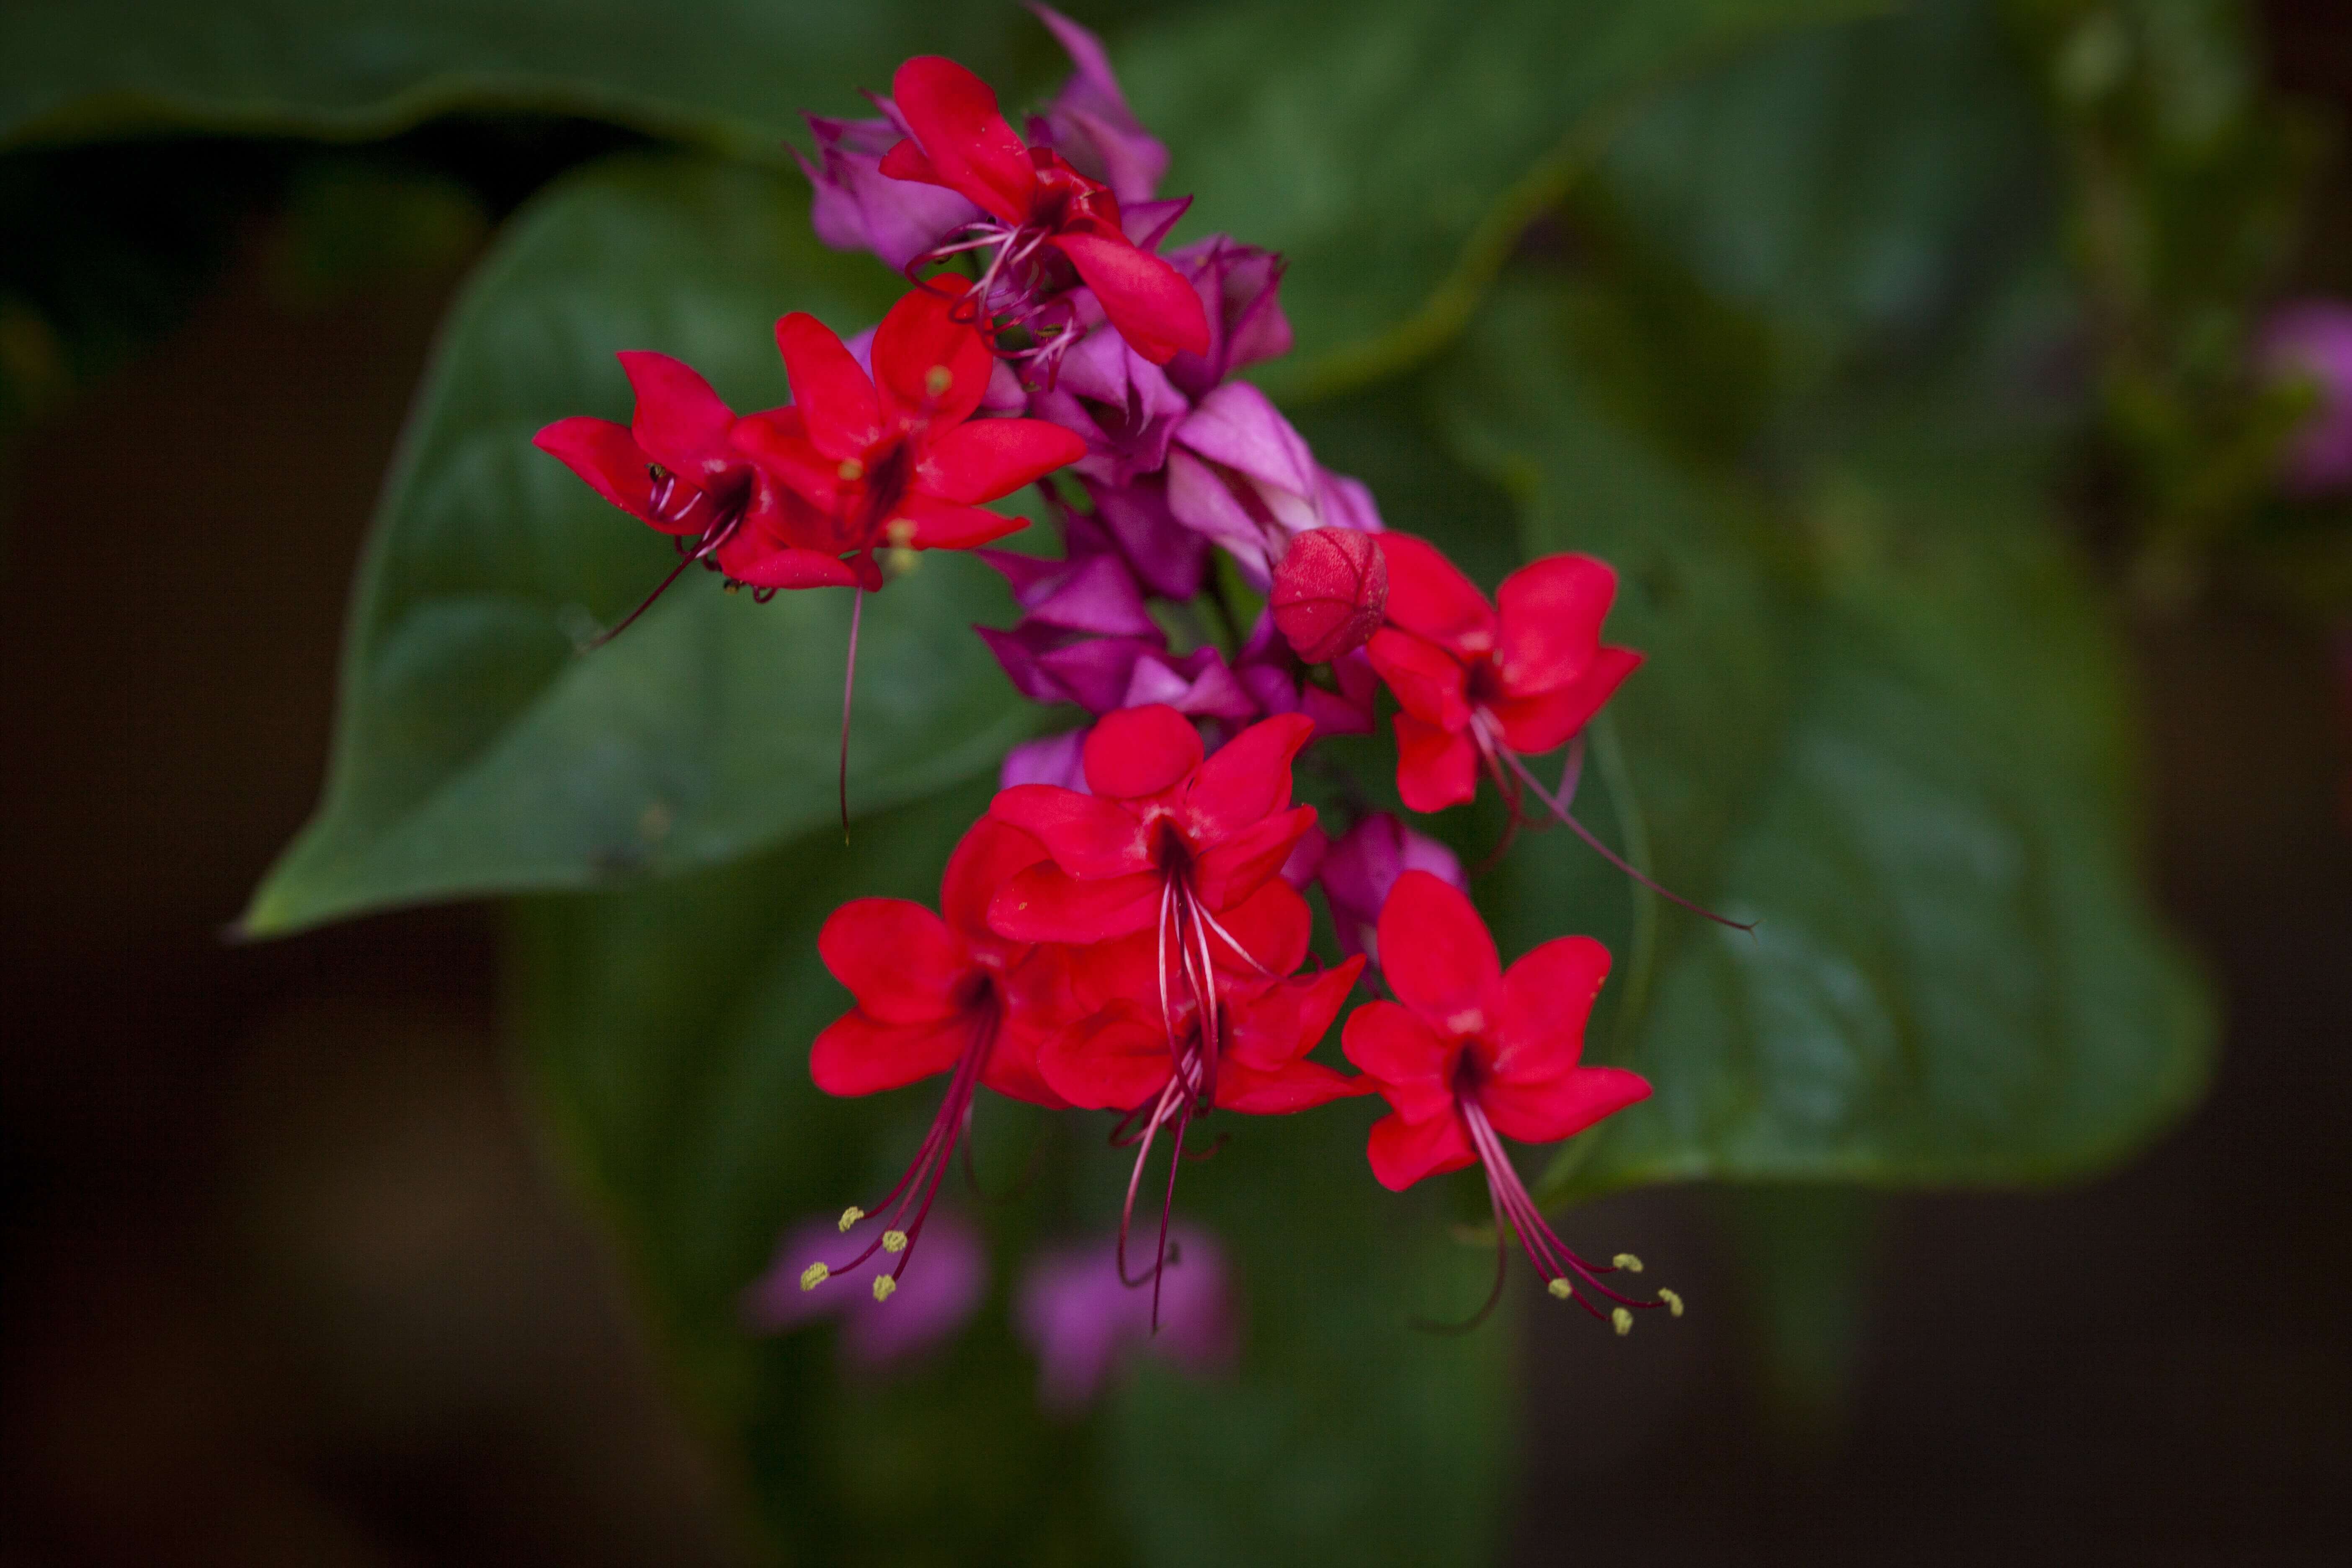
[1148, 300]
[680, 421]
[1429, 681]
[1551, 612]
[1043, 904]
[1546, 1112]
[1537, 724]
[971, 149]
[1246, 781]
[1436, 952]
[609, 459]
[1140, 751]
[1545, 998]
[834, 397]
[987, 458]
[1435, 768]
[1403, 1153]
[899, 960]
[1402, 1055]
[1430, 597]
[856, 1055]
[1087, 834]
[918, 339]
[990, 851]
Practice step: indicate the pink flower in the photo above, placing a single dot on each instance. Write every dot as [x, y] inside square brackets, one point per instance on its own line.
[1361, 867]
[927, 1311]
[1241, 476]
[2311, 341]
[1081, 1320]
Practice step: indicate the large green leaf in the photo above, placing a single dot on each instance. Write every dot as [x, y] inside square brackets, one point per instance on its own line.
[1392, 151]
[477, 751]
[668, 1031]
[1896, 738]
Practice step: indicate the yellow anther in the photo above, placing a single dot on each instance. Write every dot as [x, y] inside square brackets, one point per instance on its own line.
[1623, 1320]
[1673, 1302]
[731, 586]
[883, 1287]
[899, 562]
[936, 380]
[901, 533]
[1628, 1262]
[893, 1241]
[1561, 1289]
[851, 1215]
[851, 470]
[815, 1275]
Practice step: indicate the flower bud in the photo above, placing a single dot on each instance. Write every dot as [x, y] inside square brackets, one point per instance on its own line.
[1329, 592]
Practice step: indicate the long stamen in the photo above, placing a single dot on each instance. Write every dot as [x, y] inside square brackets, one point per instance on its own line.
[701, 551]
[848, 690]
[1563, 815]
[908, 1204]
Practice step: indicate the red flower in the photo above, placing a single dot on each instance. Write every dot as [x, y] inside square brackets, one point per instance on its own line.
[896, 457]
[935, 995]
[1038, 207]
[1164, 837]
[1480, 686]
[675, 466]
[1469, 1050]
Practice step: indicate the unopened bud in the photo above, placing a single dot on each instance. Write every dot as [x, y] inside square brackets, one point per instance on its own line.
[815, 1275]
[851, 1215]
[882, 1286]
[893, 1241]
[1329, 592]
[1561, 1289]
[1673, 1302]
[1624, 1321]
[1628, 1262]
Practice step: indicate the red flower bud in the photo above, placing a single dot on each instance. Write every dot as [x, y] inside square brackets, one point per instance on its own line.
[1329, 592]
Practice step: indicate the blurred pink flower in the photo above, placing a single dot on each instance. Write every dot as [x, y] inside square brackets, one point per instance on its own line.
[931, 1305]
[1079, 1319]
[1365, 862]
[2311, 340]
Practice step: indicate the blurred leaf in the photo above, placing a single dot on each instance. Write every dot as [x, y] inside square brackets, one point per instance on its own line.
[1805, 1256]
[1900, 744]
[475, 751]
[1393, 151]
[668, 1030]
[729, 74]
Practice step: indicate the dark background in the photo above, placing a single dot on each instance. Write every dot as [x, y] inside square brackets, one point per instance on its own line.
[287, 1282]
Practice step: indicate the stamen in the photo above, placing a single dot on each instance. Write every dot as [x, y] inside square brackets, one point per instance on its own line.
[849, 689]
[884, 1285]
[1673, 1303]
[893, 1241]
[851, 471]
[1623, 1320]
[815, 1275]
[1561, 1290]
[1627, 1262]
[850, 1216]
[936, 380]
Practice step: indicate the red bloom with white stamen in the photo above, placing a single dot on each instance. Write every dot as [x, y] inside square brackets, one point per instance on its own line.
[675, 466]
[937, 993]
[896, 459]
[1470, 1053]
[1047, 229]
[1490, 683]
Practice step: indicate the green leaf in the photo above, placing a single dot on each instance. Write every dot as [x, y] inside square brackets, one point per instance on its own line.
[668, 1031]
[729, 74]
[1891, 731]
[1393, 151]
[475, 751]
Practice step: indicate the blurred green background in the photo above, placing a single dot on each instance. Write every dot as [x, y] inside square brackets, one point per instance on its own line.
[1898, 356]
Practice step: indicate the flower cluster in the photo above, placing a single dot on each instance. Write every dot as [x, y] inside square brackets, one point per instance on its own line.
[1128, 928]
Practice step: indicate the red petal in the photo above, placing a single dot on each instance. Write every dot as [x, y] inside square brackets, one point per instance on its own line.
[1242, 864]
[905, 161]
[1157, 312]
[899, 960]
[946, 525]
[856, 1054]
[1543, 1000]
[1113, 1061]
[1430, 597]
[1043, 904]
[1085, 835]
[1549, 1110]
[1301, 1086]
[680, 421]
[786, 567]
[1247, 781]
[1412, 1065]
[1435, 768]
[1138, 751]
[1435, 950]
[1537, 725]
[1273, 926]
[1012, 1070]
[990, 851]
[1552, 615]
[609, 459]
[1429, 682]
[777, 441]
[954, 115]
[990, 458]
[1403, 1153]
[1284, 1021]
[919, 337]
[835, 398]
